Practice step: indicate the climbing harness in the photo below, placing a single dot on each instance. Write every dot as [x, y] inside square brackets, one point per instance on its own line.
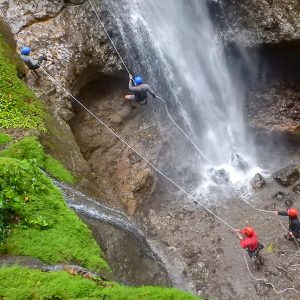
[160, 98]
[152, 165]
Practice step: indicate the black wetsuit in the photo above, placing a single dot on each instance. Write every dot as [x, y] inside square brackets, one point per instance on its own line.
[294, 224]
[140, 91]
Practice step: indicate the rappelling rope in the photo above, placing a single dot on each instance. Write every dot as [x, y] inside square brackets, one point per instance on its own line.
[297, 253]
[108, 36]
[265, 281]
[183, 132]
[153, 166]
[138, 153]
[160, 98]
[165, 176]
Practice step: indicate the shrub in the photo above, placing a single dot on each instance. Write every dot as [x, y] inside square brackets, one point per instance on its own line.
[4, 138]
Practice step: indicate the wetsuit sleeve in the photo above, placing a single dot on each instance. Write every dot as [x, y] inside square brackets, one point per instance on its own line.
[151, 91]
[283, 213]
[133, 88]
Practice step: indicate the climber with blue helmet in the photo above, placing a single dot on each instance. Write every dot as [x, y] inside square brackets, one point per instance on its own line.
[140, 90]
[30, 62]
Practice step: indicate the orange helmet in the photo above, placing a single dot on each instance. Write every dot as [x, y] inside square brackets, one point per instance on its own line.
[293, 212]
[249, 231]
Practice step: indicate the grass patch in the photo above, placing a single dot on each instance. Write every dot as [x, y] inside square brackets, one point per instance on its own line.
[45, 227]
[20, 283]
[29, 148]
[57, 170]
[4, 138]
[19, 107]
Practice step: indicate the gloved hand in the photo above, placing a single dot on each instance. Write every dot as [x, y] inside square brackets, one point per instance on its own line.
[130, 77]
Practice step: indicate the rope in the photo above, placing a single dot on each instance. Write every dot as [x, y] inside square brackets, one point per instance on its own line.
[146, 160]
[297, 253]
[265, 281]
[108, 36]
[164, 101]
[165, 176]
[183, 132]
[138, 153]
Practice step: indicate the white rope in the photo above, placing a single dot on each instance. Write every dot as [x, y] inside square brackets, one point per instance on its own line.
[138, 153]
[201, 153]
[164, 175]
[164, 101]
[108, 36]
[297, 253]
[265, 281]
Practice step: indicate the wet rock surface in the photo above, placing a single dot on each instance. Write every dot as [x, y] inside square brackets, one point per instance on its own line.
[287, 175]
[257, 181]
[252, 22]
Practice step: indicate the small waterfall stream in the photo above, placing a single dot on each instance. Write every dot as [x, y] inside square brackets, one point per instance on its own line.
[93, 209]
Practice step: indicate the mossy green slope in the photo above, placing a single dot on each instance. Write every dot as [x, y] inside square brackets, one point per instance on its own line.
[20, 284]
[31, 149]
[48, 229]
[19, 107]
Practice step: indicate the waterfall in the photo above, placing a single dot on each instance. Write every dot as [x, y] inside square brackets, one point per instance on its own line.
[173, 44]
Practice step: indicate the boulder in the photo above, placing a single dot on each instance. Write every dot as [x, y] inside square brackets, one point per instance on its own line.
[287, 175]
[296, 189]
[257, 181]
[219, 176]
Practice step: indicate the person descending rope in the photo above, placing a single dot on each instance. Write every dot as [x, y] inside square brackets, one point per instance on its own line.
[294, 223]
[250, 242]
[30, 62]
[140, 90]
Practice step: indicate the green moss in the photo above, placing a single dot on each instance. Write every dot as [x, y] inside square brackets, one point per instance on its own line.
[20, 283]
[31, 149]
[4, 138]
[19, 107]
[48, 229]
[27, 148]
[57, 170]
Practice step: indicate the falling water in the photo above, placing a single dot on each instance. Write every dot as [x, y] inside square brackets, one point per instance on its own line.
[175, 46]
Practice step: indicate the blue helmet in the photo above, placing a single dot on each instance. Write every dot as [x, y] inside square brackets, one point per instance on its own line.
[25, 50]
[138, 80]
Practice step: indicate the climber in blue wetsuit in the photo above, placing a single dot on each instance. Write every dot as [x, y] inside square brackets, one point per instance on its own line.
[140, 91]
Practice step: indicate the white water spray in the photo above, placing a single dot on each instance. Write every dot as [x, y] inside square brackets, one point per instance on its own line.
[174, 44]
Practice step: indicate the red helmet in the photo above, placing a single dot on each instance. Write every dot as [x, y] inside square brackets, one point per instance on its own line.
[293, 212]
[249, 231]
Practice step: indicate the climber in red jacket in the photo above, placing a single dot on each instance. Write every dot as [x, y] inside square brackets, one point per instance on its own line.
[250, 242]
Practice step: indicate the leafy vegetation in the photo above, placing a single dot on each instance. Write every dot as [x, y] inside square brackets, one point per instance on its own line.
[20, 283]
[4, 138]
[31, 149]
[41, 225]
[19, 107]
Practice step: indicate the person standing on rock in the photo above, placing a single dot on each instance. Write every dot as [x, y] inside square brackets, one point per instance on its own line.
[250, 242]
[30, 62]
[294, 223]
[140, 90]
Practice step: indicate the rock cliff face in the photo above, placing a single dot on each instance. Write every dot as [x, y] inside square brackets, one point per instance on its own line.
[252, 22]
[68, 33]
[265, 36]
